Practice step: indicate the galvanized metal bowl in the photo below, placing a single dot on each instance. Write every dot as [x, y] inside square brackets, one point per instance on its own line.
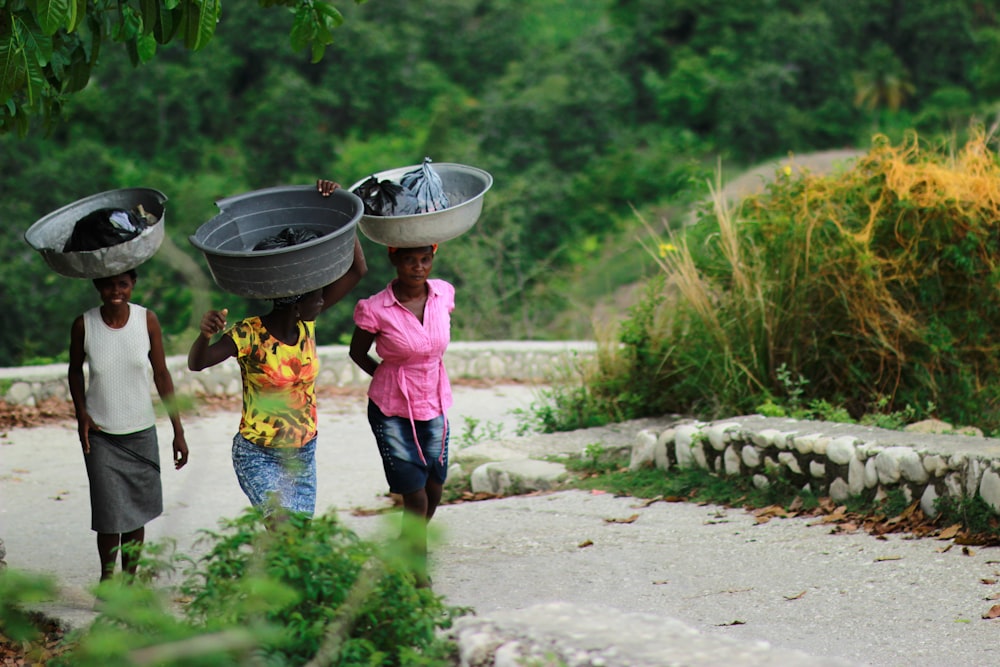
[228, 239]
[465, 186]
[49, 235]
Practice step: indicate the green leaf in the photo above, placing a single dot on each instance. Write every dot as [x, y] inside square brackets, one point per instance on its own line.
[303, 30]
[32, 39]
[331, 17]
[167, 23]
[146, 47]
[77, 13]
[150, 12]
[52, 14]
[200, 18]
[78, 73]
[12, 68]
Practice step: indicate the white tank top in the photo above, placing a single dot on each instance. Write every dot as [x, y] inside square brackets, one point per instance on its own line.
[119, 395]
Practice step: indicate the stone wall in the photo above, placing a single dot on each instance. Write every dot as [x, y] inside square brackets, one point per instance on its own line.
[839, 460]
[518, 361]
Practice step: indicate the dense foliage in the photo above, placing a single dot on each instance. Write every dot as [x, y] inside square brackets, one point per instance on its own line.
[874, 289]
[300, 593]
[580, 109]
[49, 48]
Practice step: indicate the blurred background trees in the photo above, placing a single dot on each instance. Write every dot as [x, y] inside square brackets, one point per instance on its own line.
[584, 111]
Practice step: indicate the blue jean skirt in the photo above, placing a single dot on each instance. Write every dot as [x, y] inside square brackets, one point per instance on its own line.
[277, 477]
[406, 470]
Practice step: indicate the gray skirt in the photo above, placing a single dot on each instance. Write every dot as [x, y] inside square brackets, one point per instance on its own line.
[124, 473]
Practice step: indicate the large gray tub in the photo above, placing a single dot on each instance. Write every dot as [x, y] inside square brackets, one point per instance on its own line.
[465, 186]
[49, 235]
[227, 240]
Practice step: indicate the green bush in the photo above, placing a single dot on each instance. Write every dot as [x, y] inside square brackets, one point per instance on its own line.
[870, 291]
[297, 591]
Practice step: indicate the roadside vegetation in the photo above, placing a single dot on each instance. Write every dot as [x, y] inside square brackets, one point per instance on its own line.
[300, 593]
[867, 295]
[966, 522]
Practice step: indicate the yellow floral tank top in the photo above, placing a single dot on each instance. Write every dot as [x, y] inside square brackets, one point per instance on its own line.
[279, 384]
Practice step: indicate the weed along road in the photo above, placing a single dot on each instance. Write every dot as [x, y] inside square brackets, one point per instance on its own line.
[787, 582]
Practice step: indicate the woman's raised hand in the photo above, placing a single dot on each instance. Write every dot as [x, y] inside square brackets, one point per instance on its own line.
[213, 322]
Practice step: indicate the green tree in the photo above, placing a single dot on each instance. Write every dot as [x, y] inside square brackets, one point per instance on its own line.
[50, 48]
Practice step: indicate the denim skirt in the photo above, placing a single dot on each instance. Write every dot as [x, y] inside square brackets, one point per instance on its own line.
[409, 463]
[277, 477]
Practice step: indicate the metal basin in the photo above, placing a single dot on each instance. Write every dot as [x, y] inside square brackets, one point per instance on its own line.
[49, 234]
[465, 186]
[227, 240]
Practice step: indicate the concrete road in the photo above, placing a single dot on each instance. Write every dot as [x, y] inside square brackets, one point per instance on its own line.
[888, 602]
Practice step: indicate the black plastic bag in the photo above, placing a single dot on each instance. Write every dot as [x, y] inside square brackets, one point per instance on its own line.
[426, 186]
[386, 198]
[288, 236]
[105, 227]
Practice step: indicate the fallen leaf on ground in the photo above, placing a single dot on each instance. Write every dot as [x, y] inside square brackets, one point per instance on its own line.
[950, 532]
[736, 622]
[630, 519]
[585, 543]
[994, 612]
[885, 558]
[797, 596]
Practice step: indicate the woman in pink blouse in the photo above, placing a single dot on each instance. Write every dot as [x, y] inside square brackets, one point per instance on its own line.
[409, 322]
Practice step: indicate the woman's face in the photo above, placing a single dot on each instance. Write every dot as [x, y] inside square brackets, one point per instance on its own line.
[115, 290]
[413, 265]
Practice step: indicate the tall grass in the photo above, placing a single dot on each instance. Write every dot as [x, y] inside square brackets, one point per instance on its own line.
[877, 287]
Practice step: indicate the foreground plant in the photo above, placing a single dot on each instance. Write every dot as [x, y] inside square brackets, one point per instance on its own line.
[300, 592]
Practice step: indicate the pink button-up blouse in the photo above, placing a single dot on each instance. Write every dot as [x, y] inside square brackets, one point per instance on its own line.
[411, 380]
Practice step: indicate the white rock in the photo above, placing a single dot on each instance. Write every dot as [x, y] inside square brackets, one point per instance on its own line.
[761, 481]
[817, 469]
[731, 461]
[911, 466]
[642, 450]
[871, 473]
[788, 460]
[751, 457]
[841, 450]
[989, 489]
[953, 483]
[804, 443]
[973, 474]
[839, 490]
[935, 465]
[660, 451]
[927, 501]
[783, 439]
[684, 437]
[476, 649]
[887, 465]
[698, 454]
[856, 477]
[820, 445]
[764, 437]
[20, 394]
[717, 434]
[957, 462]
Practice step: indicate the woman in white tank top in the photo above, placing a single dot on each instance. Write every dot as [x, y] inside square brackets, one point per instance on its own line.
[121, 343]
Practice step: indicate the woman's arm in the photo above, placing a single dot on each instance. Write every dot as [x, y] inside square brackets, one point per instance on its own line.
[361, 343]
[77, 384]
[339, 288]
[165, 387]
[202, 354]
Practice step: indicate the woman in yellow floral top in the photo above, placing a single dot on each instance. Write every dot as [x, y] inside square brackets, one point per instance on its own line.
[275, 448]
